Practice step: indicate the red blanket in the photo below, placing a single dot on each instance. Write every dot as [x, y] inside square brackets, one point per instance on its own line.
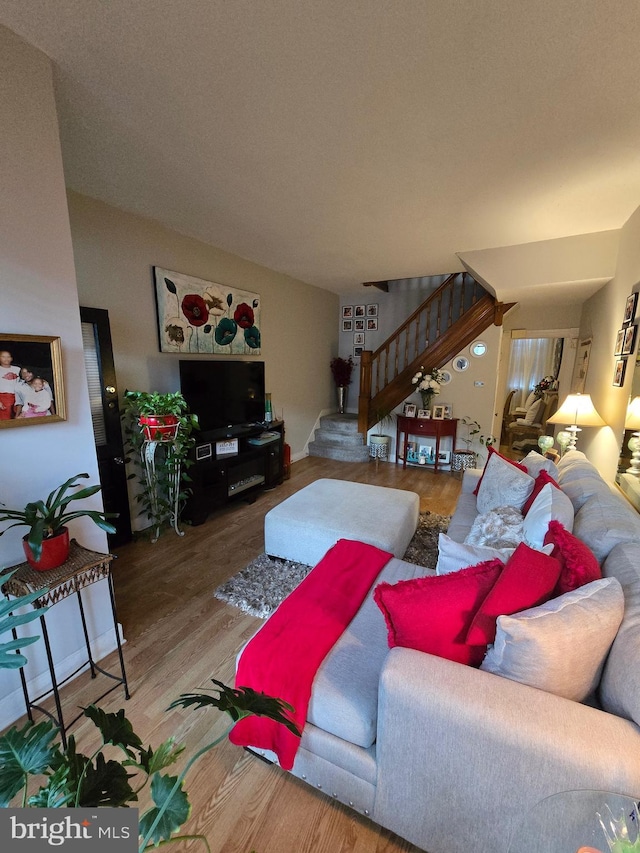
[283, 657]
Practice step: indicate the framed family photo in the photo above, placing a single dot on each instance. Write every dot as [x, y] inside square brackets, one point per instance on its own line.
[618, 374]
[31, 383]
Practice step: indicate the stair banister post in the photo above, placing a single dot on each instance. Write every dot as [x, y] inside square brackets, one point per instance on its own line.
[364, 400]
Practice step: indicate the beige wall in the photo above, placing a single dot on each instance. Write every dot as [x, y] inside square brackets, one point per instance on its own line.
[114, 256]
[38, 297]
[601, 318]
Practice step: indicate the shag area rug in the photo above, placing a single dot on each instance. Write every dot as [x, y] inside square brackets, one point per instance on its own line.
[265, 582]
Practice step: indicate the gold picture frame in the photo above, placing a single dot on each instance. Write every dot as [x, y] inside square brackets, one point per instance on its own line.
[38, 357]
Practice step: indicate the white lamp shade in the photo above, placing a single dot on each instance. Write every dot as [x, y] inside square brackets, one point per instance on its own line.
[577, 410]
[633, 415]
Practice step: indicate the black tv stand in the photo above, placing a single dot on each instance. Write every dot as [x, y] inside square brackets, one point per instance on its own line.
[218, 479]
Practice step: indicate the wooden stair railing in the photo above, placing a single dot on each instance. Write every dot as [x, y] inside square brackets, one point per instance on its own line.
[451, 318]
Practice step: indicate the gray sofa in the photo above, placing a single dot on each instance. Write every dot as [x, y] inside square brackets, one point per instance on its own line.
[453, 758]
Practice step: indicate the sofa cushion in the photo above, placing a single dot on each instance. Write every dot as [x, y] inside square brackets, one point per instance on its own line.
[528, 579]
[542, 479]
[574, 464]
[579, 563]
[453, 556]
[620, 682]
[503, 484]
[561, 645]
[433, 614]
[533, 413]
[344, 699]
[535, 462]
[499, 528]
[580, 488]
[493, 453]
[606, 520]
[550, 505]
[463, 517]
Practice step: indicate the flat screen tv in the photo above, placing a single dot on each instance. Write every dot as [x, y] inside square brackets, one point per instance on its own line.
[223, 394]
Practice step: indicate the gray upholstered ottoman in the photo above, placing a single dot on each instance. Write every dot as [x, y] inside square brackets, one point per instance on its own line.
[306, 525]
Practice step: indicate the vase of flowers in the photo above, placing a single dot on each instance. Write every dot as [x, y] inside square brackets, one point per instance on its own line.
[427, 383]
[341, 369]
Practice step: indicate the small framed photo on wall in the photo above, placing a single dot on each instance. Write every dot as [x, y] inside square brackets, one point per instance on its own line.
[347, 312]
[357, 353]
[618, 374]
[372, 324]
[358, 325]
[358, 339]
[359, 310]
[630, 308]
[619, 342]
[372, 309]
[347, 325]
[630, 336]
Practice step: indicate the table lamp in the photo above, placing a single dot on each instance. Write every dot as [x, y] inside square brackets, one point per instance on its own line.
[633, 422]
[577, 411]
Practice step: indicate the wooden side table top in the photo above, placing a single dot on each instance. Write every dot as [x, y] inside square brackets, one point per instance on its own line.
[81, 568]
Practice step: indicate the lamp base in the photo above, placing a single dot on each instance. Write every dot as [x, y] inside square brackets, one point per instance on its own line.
[634, 446]
[574, 430]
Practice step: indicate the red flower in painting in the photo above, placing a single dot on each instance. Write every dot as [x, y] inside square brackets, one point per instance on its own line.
[195, 309]
[243, 315]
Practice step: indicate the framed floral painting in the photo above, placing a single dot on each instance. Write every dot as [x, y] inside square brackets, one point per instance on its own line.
[197, 316]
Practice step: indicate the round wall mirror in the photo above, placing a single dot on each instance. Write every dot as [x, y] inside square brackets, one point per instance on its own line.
[460, 363]
[478, 348]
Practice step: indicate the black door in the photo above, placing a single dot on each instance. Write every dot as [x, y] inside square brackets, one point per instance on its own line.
[103, 396]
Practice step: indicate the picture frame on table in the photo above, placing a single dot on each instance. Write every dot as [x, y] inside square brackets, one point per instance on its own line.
[424, 414]
[618, 373]
[619, 342]
[630, 335]
[409, 410]
[23, 360]
[630, 308]
[444, 456]
[438, 413]
[448, 413]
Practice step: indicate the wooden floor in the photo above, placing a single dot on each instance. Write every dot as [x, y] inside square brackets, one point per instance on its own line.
[179, 637]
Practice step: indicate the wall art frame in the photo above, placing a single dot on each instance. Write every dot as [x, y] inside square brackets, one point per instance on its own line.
[619, 371]
[630, 308]
[41, 356]
[198, 316]
[630, 337]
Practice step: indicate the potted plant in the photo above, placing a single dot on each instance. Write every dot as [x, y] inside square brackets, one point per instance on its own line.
[158, 414]
[379, 441]
[46, 775]
[46, 545]
[163, 494]
[474, 432]
[341, 369]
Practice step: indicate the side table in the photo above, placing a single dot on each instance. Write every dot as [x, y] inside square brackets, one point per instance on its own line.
[82, 568]
[425, 427]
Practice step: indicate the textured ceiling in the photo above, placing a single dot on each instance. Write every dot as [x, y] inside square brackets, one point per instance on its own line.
[342, 141]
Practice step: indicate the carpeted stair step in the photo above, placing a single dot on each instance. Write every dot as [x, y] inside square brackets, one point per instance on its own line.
[338, 438]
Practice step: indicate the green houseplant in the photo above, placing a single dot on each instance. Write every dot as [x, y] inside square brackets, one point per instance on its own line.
[379, 441]
[164, 486]
[46, 545]
[34, 766]
[474, 432]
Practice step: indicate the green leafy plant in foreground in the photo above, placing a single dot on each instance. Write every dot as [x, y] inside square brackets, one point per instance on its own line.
[73, 779]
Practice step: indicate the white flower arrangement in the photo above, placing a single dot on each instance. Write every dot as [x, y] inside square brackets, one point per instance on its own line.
[429, 382]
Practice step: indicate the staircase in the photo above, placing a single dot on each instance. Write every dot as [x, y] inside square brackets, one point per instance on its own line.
[338, 438]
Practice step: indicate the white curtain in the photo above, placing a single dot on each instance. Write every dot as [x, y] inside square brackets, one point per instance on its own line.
[531, 359]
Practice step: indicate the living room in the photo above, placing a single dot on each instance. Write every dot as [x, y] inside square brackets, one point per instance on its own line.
[62, 248]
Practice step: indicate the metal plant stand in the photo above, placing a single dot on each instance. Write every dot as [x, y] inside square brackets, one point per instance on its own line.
[149, 452]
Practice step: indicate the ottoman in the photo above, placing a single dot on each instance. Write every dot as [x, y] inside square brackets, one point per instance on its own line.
[306, 525]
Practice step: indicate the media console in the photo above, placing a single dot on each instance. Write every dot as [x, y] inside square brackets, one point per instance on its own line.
[217, 479]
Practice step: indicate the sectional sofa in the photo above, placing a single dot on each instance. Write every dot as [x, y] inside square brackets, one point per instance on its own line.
[453, 757]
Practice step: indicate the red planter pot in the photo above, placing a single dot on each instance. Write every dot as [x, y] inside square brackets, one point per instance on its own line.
[159, 427]
[54, 552]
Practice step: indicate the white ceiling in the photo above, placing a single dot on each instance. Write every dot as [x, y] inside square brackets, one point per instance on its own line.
[342, 141]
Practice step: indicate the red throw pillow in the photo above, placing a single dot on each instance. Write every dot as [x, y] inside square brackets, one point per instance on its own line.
[433, 614]
[528, 579]
[542, 479]
[510, 461]
[579, 565]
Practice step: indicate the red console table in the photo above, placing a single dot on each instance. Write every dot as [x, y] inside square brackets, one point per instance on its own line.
[425, 427]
